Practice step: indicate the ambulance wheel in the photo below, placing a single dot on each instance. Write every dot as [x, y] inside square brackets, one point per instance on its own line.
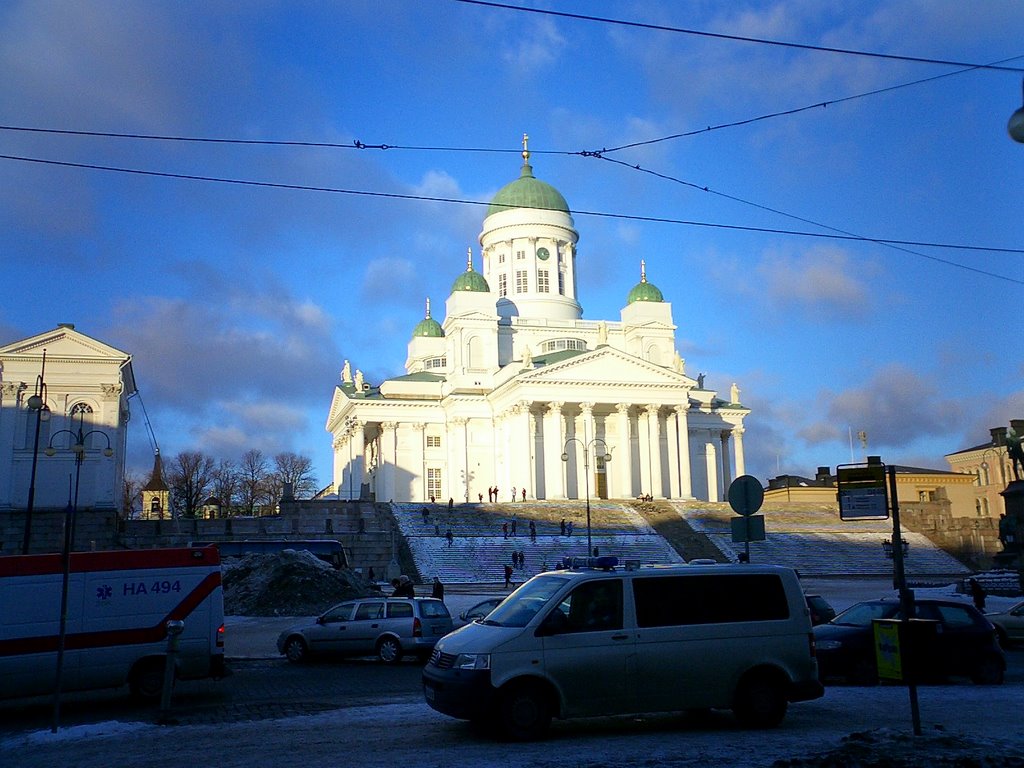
[147, 680]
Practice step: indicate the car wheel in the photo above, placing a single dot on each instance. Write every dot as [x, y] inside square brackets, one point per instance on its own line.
[1004, 639]
[760, 701]
[389, 650]
[524, 712]
[147, 680]
[295, 649]
[988, 672]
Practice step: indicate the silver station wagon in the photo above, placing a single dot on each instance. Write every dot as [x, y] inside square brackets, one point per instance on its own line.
[388, 627]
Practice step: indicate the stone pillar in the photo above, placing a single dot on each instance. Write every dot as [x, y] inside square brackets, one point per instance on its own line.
[460, 461]
[654, 427]
[711, 467]
[554, 442]
[737, 448]
[521, 470]
[358, 463]
[593, 449]
[388, 459]
[672, 438]
[337, 467]
[726, 465]
[685, 479]
[623, 456]
[418, 487]
[643, 447]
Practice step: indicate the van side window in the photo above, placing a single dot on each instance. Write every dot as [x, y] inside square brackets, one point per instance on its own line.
[399, 610]
[594, 606]
[709, 599]
[369, 611]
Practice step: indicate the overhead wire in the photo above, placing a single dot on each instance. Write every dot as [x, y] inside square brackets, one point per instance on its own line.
[736, 38]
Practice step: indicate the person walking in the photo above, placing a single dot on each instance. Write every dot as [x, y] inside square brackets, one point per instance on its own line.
[513, 493]
[524, 494]
[562, 526]
[437, 590]
[508, 576]
[533, 532]
[977, 594]
[448, 535]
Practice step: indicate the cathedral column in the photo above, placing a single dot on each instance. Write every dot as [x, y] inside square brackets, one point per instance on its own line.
[418, 486]
[358, 463]
[388, 458]
[520, 464]
[711, 467]
[672, 438]
[737, 447]
[554, 442]
[685, 480]
[623, 457]
[643, 447]
[654, 427]
[458, 452]
[726, 464]
[337, 466]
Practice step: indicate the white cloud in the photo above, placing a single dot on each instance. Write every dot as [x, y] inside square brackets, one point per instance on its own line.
[537, 49]
[819, 280]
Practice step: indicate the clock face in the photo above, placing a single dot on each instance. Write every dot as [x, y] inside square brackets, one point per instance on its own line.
[542, 254]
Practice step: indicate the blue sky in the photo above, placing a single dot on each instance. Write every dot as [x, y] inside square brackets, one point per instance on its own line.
[241, 303]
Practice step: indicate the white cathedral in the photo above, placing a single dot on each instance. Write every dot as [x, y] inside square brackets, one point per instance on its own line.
[515, 390]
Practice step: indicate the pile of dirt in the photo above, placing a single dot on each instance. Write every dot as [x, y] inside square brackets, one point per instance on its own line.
[288, 583]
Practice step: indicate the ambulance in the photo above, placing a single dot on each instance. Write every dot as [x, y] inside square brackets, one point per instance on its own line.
[119, 604]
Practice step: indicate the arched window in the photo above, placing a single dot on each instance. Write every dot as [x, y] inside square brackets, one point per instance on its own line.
[557, 345]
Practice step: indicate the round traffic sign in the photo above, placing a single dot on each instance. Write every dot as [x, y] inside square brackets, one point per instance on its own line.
[746, 495]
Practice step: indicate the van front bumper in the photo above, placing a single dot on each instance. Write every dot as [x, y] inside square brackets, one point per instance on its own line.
[463, 693]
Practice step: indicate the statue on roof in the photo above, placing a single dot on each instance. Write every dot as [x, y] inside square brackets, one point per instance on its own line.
[359, 380]
[346, 373]
[734, 393]
[678, 363]
[527, 358]
[602, 333]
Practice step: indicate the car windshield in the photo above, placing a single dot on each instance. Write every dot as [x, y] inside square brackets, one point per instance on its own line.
[526, 602]
[862, 614]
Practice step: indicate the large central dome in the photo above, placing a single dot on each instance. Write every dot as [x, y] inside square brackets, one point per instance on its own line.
[527, 192]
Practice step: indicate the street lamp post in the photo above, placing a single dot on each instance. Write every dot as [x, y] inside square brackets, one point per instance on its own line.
[37, 403]
[78, 448]
[586, 446]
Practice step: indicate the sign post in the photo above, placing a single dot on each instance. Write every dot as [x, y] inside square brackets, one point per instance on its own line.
[746, 497]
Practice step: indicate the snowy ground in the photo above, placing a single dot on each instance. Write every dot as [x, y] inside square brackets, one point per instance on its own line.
[962, 725]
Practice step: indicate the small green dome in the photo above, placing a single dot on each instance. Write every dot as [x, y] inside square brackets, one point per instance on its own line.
[470, 280]
[644, 291]
[428, 327]
[527, 192]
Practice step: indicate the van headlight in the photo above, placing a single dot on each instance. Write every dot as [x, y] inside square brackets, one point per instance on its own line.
[472, 661]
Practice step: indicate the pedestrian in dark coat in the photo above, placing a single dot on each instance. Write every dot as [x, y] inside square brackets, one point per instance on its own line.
[437, 590]
[977, 594]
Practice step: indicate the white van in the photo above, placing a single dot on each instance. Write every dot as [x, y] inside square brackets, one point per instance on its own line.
[600, 640]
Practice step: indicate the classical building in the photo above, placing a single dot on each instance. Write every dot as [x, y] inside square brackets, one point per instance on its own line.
[68, 385]
[989, 466]
[515, 390]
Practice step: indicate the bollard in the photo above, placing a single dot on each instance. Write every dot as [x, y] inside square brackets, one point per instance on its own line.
[174, 629]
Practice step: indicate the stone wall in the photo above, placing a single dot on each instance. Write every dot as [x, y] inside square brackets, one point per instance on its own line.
[973, 540]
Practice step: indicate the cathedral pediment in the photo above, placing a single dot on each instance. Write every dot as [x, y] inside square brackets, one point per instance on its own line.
[64, 342]
[605, 367]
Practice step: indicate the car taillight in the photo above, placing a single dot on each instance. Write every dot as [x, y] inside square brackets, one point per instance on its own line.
[810, 641]
[220, 636]
[417, 628]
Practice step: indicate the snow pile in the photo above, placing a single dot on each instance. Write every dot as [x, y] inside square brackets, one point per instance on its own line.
[288, 583]
[886, 748]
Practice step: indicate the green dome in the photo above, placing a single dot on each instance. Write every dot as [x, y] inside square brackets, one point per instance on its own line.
[644, 291]
[527, 192]
[428, 327]
[470, 280]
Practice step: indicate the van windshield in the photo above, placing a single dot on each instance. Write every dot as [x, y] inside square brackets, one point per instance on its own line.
[526, 602]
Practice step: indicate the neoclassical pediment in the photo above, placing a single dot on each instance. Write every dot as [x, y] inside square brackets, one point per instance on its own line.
[63, 342]
[605, 367]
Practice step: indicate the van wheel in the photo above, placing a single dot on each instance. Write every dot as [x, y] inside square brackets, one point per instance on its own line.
[295, 650]
[760, 702]
[389, 650]
[147, 680]
[988, 672]
[524, 712]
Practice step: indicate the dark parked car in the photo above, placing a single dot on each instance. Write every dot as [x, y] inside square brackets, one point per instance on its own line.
[479, 610]
[821, 611]
[963, 643]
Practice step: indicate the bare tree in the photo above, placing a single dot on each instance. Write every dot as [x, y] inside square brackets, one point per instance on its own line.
[191, 475]
[294, 469]
[131, 494]
[253, 474]
[225, 486]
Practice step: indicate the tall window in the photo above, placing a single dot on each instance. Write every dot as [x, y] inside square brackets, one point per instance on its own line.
[561, 283]
[434, 481]
[433, 441]
[543, 281]
[520, 255]
[501, 258]
[521, 281]
[503, 285]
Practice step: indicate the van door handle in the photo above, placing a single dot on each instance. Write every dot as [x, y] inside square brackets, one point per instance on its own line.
[620, 637]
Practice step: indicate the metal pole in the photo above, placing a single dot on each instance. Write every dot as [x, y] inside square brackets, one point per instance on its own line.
[586, 485]
[62, 632]
[906, 601]
[41, 393]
